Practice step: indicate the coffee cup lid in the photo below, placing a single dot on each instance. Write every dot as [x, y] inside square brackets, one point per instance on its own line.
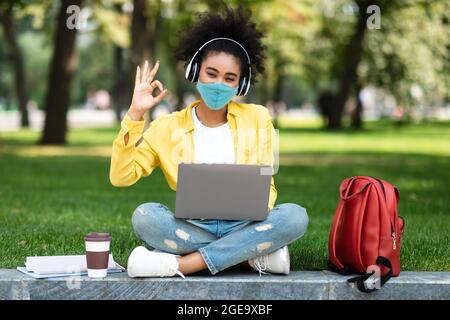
[97, 236]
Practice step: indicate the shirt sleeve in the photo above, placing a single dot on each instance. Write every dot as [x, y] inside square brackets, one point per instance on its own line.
[131, 161]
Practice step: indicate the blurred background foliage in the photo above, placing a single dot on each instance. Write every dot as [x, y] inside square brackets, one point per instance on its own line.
[318, 52]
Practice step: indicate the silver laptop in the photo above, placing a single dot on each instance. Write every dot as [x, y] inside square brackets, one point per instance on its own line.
[222, 191]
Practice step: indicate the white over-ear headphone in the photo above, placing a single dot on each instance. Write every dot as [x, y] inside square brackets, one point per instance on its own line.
[193, 69]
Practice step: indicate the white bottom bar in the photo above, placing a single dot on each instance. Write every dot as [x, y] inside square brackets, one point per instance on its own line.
[97, 273]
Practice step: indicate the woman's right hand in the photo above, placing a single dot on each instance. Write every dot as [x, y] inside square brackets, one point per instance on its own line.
[144, 85]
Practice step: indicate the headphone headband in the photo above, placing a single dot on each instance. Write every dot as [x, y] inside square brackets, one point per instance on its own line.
[248, 57]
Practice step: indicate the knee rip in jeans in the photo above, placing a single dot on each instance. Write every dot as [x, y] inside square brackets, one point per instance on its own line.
[264, 227]
[182, 234]
[263, 246]
[171, 244]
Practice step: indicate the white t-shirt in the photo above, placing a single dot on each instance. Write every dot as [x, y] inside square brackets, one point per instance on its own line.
[212, 145]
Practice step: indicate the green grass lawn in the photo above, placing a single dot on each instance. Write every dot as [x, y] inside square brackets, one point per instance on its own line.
[52, 196]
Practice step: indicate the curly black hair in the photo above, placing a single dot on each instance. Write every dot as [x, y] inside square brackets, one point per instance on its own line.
[230, 23]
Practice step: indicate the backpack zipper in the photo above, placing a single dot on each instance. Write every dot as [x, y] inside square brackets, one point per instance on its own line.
[393, 235]
[394, 238]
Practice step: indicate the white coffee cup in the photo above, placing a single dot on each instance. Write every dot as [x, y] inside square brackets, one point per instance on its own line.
[97, 254]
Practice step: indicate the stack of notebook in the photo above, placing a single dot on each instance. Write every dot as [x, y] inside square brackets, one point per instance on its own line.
[62, 266]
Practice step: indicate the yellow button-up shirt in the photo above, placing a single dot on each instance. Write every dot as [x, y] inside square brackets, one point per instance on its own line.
[169, 141]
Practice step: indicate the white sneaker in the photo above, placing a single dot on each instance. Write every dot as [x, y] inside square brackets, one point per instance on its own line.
[275, 262]
[145, 263]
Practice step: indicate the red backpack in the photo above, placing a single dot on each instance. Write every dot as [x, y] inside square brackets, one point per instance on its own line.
[366, 232]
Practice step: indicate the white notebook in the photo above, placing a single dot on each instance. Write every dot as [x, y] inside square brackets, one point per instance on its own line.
[61, 266]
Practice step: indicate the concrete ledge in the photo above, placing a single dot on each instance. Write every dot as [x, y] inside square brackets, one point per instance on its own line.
[228, 285]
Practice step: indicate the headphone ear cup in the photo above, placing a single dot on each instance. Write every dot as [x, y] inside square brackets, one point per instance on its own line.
[195, 73]
[241, 88]
[191, 70]
[188, 70]
[246, 88]
[247, 85]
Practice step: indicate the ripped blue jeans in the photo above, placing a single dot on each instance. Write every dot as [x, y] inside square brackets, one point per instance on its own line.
[222, 243]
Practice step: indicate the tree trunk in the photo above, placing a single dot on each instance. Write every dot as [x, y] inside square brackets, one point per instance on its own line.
[143, 39]
[348, 78]
[179, 82]
[278, 91]
[357, 113]
[60, 75]
[121, 85]
[326, 102]
[140, 37]
[16, 58]
[278, 95]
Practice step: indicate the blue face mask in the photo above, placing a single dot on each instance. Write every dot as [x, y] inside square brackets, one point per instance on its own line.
[215, 95]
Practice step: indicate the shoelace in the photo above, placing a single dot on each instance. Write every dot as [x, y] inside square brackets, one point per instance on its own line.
[178, 272]
[175, 270]
[168, 265]
[262, 263]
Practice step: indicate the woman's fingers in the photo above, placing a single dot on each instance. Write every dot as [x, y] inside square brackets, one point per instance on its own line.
[153, 72]
[137, 81]
[158, 84]
[160, 96]
[144, 72]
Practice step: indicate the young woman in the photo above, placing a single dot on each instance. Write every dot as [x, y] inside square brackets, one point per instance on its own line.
[223, 53]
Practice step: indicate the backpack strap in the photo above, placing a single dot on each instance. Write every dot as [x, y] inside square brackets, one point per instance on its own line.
[345, 271]
[335, 264]
[361, 280]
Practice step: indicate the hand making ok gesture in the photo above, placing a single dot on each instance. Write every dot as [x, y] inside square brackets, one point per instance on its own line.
[144, 86]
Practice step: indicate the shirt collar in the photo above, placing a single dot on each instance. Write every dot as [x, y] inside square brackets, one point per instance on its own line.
[188, 122]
